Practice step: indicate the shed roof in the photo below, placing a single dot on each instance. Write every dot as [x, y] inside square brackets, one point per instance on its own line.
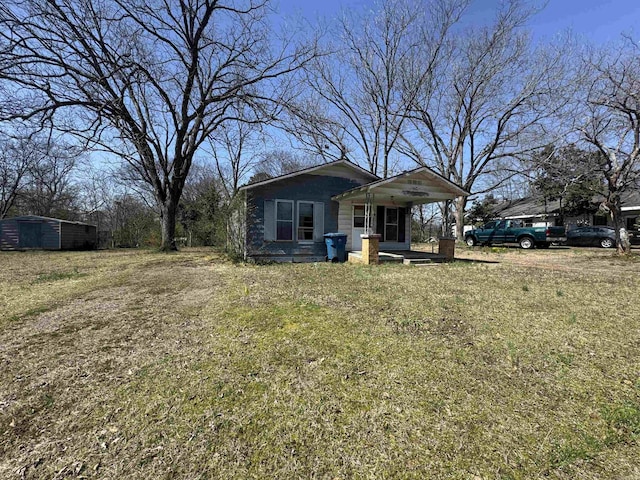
[39, 217]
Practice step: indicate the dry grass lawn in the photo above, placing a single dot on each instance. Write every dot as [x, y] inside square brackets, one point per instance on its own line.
[125, 364]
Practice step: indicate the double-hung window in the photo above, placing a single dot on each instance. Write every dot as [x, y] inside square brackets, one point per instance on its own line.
[305, 221]
[284, 220]
[293, 221]
[358, 216]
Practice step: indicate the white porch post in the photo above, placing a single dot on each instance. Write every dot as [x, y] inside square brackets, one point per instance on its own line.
[370, 241]
[368, 206]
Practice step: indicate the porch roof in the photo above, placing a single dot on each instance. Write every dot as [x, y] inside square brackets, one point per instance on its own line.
[418, 186]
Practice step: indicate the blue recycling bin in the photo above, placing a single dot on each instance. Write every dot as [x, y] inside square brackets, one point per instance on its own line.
[336, 246]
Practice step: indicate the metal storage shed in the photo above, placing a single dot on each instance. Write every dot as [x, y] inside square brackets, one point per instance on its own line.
[33, 232]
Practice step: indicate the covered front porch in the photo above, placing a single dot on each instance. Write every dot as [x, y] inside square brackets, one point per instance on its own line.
[378, 215]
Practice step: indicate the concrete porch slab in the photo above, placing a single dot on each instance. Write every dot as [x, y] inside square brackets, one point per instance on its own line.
[407, 257]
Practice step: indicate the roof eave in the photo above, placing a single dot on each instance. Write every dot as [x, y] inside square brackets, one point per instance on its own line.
[455, 190]
[309, 170]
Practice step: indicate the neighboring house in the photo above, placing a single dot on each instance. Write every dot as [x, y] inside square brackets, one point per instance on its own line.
[538, 212]
[533, 211]
[287, 216]
[33, 232]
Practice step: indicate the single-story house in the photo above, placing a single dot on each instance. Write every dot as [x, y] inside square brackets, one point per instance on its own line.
[287, 216]
[34, 232]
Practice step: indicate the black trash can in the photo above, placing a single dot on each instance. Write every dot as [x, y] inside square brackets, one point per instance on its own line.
[336, 246]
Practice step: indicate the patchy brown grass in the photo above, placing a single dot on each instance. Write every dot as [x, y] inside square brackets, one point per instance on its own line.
[141, 365]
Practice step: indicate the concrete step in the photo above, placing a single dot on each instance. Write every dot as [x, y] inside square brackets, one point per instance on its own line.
[423, 261]
[387, 259]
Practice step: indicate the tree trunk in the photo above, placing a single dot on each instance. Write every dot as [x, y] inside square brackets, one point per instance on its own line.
[461, 203]
[446, 222]
[168, 220]
[622, 241]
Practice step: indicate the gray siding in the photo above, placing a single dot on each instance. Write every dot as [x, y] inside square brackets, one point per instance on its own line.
[75, 236]
[48, 231]
[32, 232]
[305, 187]
[26, 233]
[9, 236]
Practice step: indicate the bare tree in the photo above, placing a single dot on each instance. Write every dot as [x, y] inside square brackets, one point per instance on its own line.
[36, 175]
[233, 149]
[134, 223]
[428, 221]
[149, 80]
[316, 131]
[202, 206]
[51, 191]
[16, 157]
[609, 108]
[274, 163]
[488, 105]
[95, 190]
[362, 93]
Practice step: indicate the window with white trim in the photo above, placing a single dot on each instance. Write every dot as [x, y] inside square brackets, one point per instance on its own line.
[284, 220]
[305, 221]
[358, 216]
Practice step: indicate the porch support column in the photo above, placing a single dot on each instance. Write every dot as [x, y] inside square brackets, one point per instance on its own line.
[447, 248]
[370, 248]
[368, 207]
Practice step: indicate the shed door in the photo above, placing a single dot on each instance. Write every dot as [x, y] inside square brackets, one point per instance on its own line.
[30, 235]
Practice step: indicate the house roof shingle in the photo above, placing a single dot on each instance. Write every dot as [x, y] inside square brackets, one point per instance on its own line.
[537, 206]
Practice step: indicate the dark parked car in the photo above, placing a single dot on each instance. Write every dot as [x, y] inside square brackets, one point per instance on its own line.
[604, 237]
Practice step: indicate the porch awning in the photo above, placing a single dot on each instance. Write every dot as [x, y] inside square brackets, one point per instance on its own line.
[418, 186]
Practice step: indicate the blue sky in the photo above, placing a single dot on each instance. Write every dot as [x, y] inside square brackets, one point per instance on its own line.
[598, 20]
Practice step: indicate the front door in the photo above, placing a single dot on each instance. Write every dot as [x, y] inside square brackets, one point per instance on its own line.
[357, 227]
